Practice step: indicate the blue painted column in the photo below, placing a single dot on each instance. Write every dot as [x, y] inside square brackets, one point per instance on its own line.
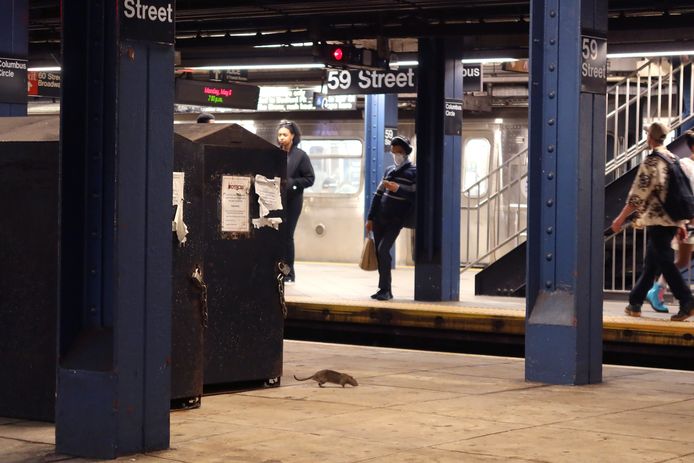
[380, 125]
[563, 343]
[437, 253]
[14, 43]
[115, 253]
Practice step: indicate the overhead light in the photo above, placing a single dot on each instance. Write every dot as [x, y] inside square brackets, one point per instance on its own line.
[413, 62]
[487, 60]
[655, 54]
[281, 45]
[44, 69]
[260, 67]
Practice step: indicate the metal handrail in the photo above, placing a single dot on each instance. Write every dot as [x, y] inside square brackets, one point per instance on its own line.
[625, 115]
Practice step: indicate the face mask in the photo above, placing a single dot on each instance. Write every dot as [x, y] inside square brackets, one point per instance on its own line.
[399, 159]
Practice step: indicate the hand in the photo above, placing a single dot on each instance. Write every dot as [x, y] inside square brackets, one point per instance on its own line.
[682, 233]
[369, 226]
[390, 186]
[616, 225]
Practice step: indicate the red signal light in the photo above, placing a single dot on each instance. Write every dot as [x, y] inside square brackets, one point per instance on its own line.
[337, 54]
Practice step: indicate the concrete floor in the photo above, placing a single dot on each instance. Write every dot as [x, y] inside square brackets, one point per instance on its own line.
[347, 282]
[415, 407]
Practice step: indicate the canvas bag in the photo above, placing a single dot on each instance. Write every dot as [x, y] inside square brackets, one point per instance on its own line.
[368, 255]
[679, 199]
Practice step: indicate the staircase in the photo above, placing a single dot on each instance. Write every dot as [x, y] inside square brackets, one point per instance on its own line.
[648, 95]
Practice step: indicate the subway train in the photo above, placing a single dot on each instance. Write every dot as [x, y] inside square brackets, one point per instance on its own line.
[331, 226]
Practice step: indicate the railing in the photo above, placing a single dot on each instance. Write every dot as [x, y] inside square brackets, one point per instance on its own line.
[624, 251]
[640, 99]
[495, 224]
[637, 101]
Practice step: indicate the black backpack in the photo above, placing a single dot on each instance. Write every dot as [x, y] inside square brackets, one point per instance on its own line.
[679, 198]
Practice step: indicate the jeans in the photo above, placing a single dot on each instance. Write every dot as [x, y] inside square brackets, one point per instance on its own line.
[293, 211]
[660, 258]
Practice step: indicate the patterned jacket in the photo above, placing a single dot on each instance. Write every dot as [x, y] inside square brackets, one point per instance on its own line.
[648, 192]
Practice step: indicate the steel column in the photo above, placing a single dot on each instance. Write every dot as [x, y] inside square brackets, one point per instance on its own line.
[14, 43]
[437, 254]
[563, 343]
[380, 123]
[380, 116]
[115, 271]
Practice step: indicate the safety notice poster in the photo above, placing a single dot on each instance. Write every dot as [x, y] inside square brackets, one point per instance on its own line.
[235, 204]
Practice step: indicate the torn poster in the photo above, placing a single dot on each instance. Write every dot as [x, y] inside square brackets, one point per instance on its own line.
[273, 222]
[268, 191]
[178, 225]
[235, 207]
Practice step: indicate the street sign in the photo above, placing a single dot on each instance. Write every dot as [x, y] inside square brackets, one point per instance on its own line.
[363, 82]
[152, 21]
[13, 80]
[593, 64]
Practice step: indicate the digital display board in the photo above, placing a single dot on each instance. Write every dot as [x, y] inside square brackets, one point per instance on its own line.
[216, 94]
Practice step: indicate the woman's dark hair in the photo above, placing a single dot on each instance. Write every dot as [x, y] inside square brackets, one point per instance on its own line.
[689, 138]
[293, 129]
[205, 118]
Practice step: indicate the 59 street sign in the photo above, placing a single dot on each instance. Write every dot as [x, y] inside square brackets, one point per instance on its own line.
[593, 64]
[363, 82]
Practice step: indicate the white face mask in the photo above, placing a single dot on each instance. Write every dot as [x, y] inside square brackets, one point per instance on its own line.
[399, 159]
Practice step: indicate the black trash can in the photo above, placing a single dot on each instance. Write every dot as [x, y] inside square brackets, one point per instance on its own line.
[245, 323]
[28, 275]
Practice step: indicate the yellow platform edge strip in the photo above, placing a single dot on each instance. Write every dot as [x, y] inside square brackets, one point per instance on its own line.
[480, 319]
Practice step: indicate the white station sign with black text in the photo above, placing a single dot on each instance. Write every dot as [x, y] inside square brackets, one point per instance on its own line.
[363, 82]
[148, 20]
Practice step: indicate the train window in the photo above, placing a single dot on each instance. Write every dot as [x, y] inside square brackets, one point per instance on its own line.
[337, 164]
[476, 156]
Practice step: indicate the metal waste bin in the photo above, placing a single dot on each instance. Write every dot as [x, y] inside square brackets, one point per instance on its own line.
[242, 250]
[28, 275]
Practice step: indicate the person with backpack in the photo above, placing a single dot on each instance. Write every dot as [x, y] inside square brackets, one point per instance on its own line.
[661, 196]
[685, 244]
[391, 207]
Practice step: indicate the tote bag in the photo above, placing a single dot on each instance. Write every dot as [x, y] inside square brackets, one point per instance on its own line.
[368, 255]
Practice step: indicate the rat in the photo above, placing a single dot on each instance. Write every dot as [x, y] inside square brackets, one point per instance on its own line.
[330, 376]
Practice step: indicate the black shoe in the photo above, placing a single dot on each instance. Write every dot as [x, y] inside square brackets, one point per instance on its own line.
[382, 295]
[633, 310]
[686, 311]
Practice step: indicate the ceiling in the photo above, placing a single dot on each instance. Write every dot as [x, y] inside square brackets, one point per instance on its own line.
[212, 32]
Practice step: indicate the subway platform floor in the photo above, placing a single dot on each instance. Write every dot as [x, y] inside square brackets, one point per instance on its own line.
[347, 283]
[412, 407]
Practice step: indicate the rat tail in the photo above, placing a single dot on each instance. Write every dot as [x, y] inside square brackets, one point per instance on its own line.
[302, 379]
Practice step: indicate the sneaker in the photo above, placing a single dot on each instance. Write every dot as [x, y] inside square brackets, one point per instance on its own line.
[686, 311]
[655, 298]
[633, 310]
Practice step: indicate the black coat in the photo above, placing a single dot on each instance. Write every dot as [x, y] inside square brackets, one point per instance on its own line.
[395, 206]
[299, 173]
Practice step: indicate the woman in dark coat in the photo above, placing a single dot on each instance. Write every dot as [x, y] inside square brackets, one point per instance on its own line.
[299, 176]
